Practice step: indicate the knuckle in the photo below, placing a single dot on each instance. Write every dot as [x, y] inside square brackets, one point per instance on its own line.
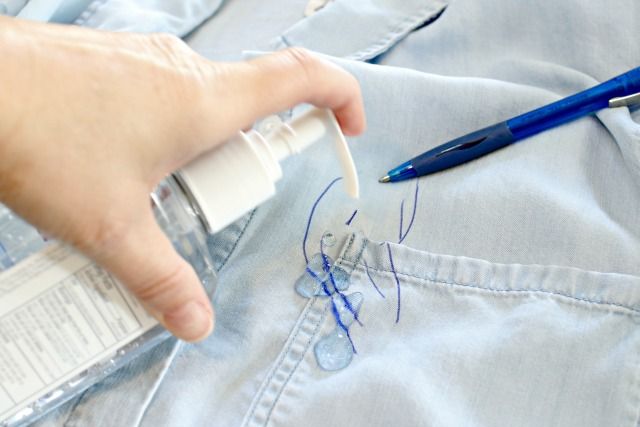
[166, 41]
[176, 57]
[184, 78]
[303, 60]
[164, 288]
[101, 238]
[299, 54]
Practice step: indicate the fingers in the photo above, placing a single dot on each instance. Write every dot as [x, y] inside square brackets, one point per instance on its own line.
[146, 262]
[279, 81]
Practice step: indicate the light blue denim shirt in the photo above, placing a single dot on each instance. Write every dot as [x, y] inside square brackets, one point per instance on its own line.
[510, 298]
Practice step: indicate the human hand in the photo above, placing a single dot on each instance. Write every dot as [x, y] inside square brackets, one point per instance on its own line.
[91, 121]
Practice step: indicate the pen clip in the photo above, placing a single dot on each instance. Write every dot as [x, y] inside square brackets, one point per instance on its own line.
[625, 101]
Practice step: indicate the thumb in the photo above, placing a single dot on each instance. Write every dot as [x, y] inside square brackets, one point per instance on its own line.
[147, 264]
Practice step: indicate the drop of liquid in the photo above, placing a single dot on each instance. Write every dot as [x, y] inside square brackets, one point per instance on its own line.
[347, 315]
[328, 239]
[309, 284]
[335, 350]
[320, 264]
[340, 278]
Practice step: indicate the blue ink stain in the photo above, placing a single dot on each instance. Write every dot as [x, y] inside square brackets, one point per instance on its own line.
[393, 269]
[346, 301]
[402, 236]
[335, 350]
[366, 268]
[310, 283]
[313, 209]
[349, 308]
[314, 283]
[340, 278]
[341, 325]
[353, 215]
[327, 268]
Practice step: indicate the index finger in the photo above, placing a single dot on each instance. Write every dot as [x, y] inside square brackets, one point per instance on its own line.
[281, 80]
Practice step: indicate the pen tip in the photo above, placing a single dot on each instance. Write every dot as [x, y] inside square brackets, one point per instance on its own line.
[384, 179]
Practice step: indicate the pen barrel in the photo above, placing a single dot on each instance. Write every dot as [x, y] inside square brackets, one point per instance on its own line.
[574, 106]
[484, 141]
[463, 149]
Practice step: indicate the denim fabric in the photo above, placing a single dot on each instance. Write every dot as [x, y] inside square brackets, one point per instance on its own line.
[145, 16]
[517, 288]
[477, 344]
[60, 11]
[241, 25]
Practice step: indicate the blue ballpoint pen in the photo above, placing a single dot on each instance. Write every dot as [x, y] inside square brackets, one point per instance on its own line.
[619, 91]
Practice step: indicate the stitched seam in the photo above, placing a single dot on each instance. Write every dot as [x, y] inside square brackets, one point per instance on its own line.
[342, 261]
[158, 383]
[346, 251]
[362, 248]
[279, 361]
[532, 291]
[316, 328]
[423, 16]
[396, 34]
[233, 248]
[295, 368]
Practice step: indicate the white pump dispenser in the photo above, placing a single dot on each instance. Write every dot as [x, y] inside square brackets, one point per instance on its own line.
[211, 191]
[238, 175]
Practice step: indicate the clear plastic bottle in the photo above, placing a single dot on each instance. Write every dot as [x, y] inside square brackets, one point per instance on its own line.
[173, 212]
[56, 301]
[18, 240]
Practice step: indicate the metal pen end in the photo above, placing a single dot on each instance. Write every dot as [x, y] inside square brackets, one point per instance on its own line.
[625, 101]
[384, 179]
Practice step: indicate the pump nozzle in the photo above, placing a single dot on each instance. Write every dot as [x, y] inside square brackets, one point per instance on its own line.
[290, 138]
[233, 178]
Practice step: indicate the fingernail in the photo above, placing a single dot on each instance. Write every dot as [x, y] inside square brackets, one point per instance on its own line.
[191, 322]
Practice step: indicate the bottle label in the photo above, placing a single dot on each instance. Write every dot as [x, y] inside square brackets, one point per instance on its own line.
[60, 313]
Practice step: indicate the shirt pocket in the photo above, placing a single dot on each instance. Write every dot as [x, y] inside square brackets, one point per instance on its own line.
[453, 341]
[360, 30]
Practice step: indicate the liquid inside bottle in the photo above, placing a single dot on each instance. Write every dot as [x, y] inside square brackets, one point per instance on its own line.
[67, 323]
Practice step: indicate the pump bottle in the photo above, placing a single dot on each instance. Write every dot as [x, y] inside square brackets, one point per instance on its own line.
[202, 198]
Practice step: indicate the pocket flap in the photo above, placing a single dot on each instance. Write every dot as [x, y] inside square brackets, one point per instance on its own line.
[360, 30]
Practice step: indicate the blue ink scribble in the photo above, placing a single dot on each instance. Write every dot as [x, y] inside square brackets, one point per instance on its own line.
[402, 236]
[395, 275]
[323, 283]
[327, 268]
[313, 209]
[341, 324]
[353, 215]
[366, 267]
